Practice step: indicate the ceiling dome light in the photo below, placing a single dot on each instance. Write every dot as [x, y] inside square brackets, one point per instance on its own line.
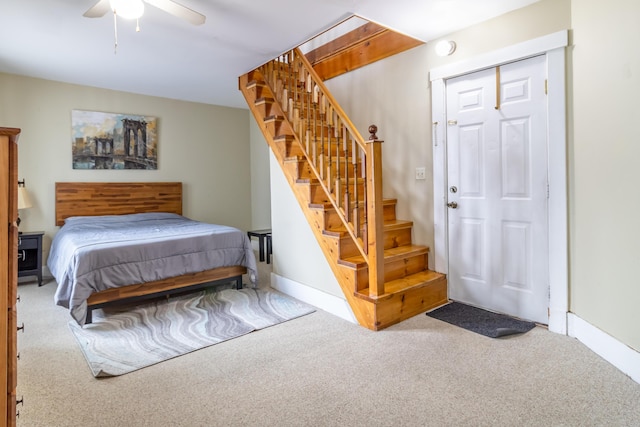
[445, 47]
[129, 9]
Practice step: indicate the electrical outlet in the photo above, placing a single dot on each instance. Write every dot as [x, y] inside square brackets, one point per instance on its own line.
[421, 173]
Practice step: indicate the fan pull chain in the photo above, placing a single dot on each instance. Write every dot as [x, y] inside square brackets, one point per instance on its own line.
[115, 33]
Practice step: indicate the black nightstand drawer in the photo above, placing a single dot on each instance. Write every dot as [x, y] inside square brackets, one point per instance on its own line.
[27, 242]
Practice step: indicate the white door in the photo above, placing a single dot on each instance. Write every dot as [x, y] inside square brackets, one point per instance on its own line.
[497, 189]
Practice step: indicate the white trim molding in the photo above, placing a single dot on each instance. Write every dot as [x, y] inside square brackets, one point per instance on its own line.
[322, 300]
[553, 47]
[604, 345]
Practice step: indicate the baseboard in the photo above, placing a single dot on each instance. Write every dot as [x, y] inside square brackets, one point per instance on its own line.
[324, 301]
[558, 321]
[609, 348]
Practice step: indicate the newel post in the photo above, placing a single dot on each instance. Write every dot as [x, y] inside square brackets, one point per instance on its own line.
[375, 237]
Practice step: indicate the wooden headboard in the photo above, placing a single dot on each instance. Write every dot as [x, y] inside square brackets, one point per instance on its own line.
[116, 198]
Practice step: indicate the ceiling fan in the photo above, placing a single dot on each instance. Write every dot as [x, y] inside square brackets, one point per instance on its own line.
[133, 9]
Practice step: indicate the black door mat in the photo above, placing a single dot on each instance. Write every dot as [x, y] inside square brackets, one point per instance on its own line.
[480, 321]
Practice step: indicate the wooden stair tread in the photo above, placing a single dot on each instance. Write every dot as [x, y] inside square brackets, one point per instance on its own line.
[388, 225]
[273, 118]
[413, 281]
[329, 206]
[254, 83]
[393, 224]
[390, 254]
[264, 99]
[281, 138]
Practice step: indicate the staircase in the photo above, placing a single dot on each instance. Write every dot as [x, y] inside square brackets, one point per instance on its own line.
[336, 177]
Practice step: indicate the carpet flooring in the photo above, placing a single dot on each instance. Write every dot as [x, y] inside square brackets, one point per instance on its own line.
[483, 322]
[129, 338]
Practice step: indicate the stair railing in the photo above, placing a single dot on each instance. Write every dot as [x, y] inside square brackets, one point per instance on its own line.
[347, 167]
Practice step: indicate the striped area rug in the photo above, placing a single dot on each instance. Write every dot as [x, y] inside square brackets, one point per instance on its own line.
[124, 340]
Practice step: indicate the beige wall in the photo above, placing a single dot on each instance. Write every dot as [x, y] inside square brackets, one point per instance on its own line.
[298, 256]
[605, 152]
[398, 87]
[260, 186]
[204, 146]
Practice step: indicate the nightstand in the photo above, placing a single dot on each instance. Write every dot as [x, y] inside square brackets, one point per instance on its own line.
[262, 235]
[30, 254]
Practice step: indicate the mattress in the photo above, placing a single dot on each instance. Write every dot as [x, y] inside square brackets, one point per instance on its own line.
[91, 254]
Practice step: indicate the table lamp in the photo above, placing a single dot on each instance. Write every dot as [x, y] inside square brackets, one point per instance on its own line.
[24, 201]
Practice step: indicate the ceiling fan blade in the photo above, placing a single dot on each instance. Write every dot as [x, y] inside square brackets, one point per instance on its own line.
[97, 10]
[178, 10]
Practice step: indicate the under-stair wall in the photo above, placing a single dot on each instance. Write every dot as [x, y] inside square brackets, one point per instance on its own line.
[383, 275]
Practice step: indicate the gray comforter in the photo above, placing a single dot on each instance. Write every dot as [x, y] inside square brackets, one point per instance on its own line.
[90, 254]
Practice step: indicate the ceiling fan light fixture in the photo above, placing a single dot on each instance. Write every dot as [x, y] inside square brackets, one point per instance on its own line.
[128, 9]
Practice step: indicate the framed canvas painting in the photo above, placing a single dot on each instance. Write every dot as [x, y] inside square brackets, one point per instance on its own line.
[113, 140]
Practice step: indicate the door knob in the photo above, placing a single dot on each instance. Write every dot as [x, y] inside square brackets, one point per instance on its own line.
[452, 205]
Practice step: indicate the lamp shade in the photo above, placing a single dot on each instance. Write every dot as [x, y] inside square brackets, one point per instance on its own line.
[24, 201]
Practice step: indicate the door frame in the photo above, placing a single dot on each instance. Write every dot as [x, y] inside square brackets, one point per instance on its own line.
[553, 46]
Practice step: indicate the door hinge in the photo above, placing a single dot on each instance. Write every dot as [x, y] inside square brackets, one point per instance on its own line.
[546, 87]
[547, 190]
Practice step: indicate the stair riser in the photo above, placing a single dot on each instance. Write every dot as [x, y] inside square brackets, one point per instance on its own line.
[347, 248]
[317, 195]
[259, 91]
[300, 169]
[397, 237]
[396, 269]
[278, 128]
[407, 304]
[265, 108]
[333, 221]
[288, 147]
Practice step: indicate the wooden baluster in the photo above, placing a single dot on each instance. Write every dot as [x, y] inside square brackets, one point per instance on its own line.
[283, 82]
[329, 172]
[347, 192]
[276, 94]
[301, 100]
[356, 209]
[281, 89]
[308, 118]
[303, 109]
[267, 76]
[322, 123]
[289, 76]
[295, 95]
[338, 188]
[314, 132]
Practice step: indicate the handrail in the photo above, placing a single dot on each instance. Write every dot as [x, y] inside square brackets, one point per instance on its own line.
[339, 111]
[348, 169]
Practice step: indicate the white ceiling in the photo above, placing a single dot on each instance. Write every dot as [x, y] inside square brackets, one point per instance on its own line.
[171, 58]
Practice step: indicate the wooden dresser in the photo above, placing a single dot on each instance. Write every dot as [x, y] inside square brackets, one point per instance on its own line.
[8, 272]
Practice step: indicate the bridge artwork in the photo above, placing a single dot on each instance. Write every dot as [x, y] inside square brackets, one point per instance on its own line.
[113, 141]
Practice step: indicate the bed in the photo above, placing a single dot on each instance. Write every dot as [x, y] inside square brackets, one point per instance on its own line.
[123, 242]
